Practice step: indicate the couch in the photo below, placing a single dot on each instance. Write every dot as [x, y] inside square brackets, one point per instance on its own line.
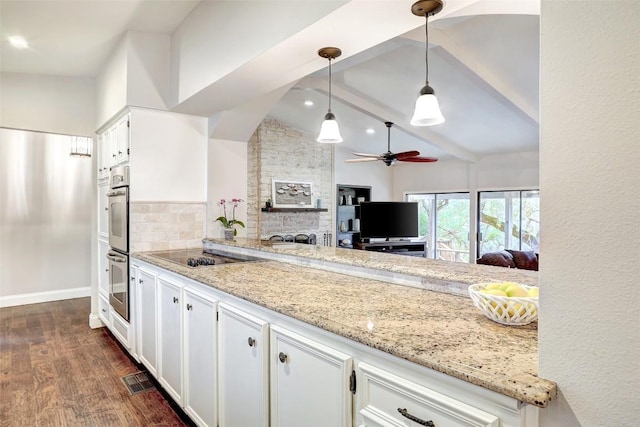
[526, 260]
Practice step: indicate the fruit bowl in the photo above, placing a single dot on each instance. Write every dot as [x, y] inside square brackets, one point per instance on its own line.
[506, 310]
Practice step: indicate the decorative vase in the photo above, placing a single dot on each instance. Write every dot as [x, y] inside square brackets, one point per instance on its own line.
[228, 233]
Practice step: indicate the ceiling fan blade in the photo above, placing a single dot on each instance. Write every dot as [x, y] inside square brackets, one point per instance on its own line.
[406, 154]
[368, 159]
[377, 156]
[419, 159]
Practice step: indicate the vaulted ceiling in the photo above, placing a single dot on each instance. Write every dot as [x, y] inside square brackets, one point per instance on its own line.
[483, 65]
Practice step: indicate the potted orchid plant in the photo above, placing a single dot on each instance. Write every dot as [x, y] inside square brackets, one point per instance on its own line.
[229, 224]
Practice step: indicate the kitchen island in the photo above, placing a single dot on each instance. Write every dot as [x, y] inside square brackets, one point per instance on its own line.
[327, 288]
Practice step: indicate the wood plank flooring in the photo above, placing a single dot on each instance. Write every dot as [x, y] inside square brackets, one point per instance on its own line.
[56, 371]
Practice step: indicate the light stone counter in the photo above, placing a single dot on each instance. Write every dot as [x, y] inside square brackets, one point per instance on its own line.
[437, 330]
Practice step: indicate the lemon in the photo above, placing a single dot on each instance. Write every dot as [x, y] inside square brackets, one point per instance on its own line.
[516, 290]
[492, 286]
[533, 292]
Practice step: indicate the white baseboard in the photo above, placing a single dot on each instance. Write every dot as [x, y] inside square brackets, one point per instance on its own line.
[37, 297]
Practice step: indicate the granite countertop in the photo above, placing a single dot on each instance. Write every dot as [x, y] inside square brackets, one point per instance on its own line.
[437, 330]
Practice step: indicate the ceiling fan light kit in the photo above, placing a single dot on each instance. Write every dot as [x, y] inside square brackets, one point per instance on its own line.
[329, 131]
[427, 110]
[390, 158]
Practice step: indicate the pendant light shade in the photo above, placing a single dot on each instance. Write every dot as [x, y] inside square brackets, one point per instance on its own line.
[329, 132]
[427, 111]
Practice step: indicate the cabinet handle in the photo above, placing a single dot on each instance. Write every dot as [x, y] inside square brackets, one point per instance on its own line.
[119, 152]
[104, 311]
[283, 357]
[106, 209]
[133, 279]
[252, 342]
[413, 418]
[175, 300]
[189, 307]
[113, 155]
[140, 281]
[106, 270]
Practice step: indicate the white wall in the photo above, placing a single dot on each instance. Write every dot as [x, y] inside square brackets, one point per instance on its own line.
[44, 103]
[46, 216]
[589, 341]
[227, 179]
[494, 172]
[111, 85]
[148, 69]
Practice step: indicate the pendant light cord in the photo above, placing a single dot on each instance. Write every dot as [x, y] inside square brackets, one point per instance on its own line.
[329, 84]
[426, 48]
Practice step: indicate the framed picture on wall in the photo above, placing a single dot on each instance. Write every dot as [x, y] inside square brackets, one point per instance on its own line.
[287, 193]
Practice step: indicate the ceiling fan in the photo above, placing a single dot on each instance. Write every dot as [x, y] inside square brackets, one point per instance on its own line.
[390, 158]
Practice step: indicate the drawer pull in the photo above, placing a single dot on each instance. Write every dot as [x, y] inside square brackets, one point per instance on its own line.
[175, 300]
[189, 307]
[251, 342]
[282, 357]
[413, 418]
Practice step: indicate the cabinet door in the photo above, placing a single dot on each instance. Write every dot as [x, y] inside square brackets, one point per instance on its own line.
[386, 400]
[103, 268]
[244, 369]
[122, 131]
[146, 319]
[103, 209]
[170, 338]
[103, 156]
[200, 348]
[309, 384]
[112, 138]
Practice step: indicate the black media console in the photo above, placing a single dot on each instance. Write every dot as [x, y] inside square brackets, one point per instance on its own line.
[418, 249]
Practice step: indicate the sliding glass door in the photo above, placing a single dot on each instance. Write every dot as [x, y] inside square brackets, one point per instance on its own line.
[508, 220]
[444, 220]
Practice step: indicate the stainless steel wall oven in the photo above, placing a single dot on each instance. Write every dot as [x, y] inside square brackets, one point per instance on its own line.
[118, 207]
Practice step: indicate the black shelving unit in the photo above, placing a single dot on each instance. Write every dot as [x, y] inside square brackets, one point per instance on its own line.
[346, 213]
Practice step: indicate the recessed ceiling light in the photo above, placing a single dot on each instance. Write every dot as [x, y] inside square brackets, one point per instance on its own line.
[18, 42]
[370, 131]
[308, 103]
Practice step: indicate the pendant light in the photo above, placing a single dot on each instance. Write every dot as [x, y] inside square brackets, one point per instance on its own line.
[81, 146]
[427, 112]
[329, 132]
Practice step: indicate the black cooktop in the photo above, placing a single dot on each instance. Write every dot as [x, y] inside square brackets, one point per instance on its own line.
[198, 257]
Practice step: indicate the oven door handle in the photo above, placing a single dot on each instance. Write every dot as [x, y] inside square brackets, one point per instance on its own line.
[115, 257]
[115, 193]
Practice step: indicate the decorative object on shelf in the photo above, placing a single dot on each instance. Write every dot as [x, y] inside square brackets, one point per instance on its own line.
[268, 203]
[329, 132]
[346, 242]
[229, 224]
[319, 203]
[390, 158]
[360, 199]
[356, 225]
[292, 194]
[427, 111]
[81, 146]
[349, 200]
[343, 226]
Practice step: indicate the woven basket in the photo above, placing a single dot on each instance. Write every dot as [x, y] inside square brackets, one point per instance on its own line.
[505, 310]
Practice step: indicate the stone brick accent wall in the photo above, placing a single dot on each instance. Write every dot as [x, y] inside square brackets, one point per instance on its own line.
[277, 151]
[156, 226]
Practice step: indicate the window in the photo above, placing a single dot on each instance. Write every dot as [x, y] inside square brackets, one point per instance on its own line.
[508, 219]
[444, 221]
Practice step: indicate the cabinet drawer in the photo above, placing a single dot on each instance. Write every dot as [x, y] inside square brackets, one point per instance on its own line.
[120, 329]
[385, 394]
[103, 311]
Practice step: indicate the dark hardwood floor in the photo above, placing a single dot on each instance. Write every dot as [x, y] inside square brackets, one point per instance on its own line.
[56, 371]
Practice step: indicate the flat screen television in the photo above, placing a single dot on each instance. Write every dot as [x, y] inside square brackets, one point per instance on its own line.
[391, 220]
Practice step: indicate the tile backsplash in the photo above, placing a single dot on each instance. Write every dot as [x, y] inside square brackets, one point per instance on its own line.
[156, 226]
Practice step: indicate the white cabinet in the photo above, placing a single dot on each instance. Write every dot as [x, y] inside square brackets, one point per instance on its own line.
[103, 151]
[309, 382]
[387, 400]
[200, 348]
[103, 209]
[104, 310]
[118, 141]
[145, 288]
[103, 268]
[170, 338]
[244, 368]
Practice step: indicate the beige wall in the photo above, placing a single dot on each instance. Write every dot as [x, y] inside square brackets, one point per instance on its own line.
[589, 342]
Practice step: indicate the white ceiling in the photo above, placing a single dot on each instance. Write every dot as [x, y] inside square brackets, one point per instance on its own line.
[483, 67]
